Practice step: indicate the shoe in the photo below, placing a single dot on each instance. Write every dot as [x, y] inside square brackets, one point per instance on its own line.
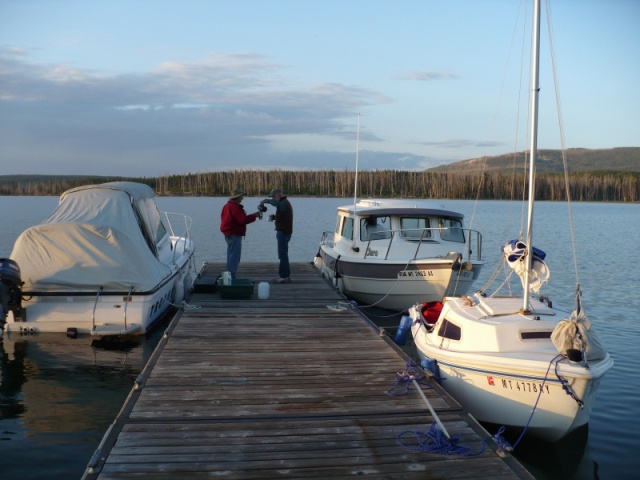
[283, 280]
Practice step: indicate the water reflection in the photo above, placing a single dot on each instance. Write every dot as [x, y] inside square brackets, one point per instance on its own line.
[57, 398]
[12, 377]
[568, 459]
[54, 383]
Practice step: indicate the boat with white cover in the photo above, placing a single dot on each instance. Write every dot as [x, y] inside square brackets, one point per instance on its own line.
[516, 361]
[394, 253]
[105, 262]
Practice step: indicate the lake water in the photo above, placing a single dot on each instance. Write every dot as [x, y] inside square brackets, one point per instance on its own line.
[58, 396]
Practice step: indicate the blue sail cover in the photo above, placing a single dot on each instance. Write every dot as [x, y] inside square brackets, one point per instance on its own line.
[515, 252]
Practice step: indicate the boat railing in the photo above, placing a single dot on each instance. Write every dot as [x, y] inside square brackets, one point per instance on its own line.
[471, 239]
[327, 239]
[95, 305]
[176, 219]
[126, 304]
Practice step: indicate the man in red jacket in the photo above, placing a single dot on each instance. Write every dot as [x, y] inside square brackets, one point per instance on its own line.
[233, 225]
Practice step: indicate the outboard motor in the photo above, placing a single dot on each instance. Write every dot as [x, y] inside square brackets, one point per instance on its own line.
[10, 290]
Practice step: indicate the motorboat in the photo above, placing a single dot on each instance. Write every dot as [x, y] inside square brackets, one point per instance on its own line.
[393, 253]
[515, 360]
[105, 262]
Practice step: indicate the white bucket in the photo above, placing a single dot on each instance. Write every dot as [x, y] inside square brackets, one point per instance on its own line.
[263, 290]
[226, 278]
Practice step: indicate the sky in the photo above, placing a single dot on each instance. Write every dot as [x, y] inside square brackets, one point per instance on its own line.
[145, 88]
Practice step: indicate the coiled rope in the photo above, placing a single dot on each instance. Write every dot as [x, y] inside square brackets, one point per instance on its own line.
[405, 379]
[435, 441]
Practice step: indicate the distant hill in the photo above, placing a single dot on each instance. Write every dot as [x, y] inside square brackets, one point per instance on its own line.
[623, 159]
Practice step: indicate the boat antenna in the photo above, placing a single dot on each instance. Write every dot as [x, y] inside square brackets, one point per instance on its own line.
[355, 188]
[535, 85]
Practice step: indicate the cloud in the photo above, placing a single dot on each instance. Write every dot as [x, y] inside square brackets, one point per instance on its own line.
[463, 143]
[416, 76]
[210, 114]
[367, 160]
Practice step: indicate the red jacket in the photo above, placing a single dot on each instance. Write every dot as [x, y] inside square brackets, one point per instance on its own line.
[234, 220]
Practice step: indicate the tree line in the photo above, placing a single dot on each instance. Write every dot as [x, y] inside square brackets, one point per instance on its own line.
[600, 186]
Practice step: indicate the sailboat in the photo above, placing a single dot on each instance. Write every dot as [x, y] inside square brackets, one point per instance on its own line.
[516, 361]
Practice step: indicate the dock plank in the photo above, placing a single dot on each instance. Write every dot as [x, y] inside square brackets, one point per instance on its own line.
[282, 388]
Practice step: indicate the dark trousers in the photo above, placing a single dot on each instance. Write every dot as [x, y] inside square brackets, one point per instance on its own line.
[283, 238]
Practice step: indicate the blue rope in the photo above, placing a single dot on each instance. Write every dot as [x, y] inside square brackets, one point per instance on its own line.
[503, 443]
[434, 441]
[406, 378]
[535, 406]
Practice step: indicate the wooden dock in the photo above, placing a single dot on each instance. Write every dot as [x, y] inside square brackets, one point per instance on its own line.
[282, 388]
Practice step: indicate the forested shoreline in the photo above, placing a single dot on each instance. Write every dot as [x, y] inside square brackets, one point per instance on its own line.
[599, 186]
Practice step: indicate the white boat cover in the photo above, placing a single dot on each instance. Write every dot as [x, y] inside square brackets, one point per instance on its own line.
[98, 236]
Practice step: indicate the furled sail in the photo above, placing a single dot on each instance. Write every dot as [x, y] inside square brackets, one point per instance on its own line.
[574, 333]
[515, 252]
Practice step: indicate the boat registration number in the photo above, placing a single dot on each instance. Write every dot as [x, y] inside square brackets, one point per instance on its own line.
[524, 387]
[415, 273]
[465, 274]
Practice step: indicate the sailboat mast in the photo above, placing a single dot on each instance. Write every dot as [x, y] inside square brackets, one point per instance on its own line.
[535, 83]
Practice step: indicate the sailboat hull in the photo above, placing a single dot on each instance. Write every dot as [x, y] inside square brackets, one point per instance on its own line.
[509, 398]
[506, 370]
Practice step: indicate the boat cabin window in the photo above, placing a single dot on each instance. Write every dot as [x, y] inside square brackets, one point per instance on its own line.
[347, 228]
[451, 230]
[535, 335]
[414, 228]
[375, 228]
[154, 219]
[449, 330]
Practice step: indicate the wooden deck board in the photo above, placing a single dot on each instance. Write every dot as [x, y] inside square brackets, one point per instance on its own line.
[281, 388]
